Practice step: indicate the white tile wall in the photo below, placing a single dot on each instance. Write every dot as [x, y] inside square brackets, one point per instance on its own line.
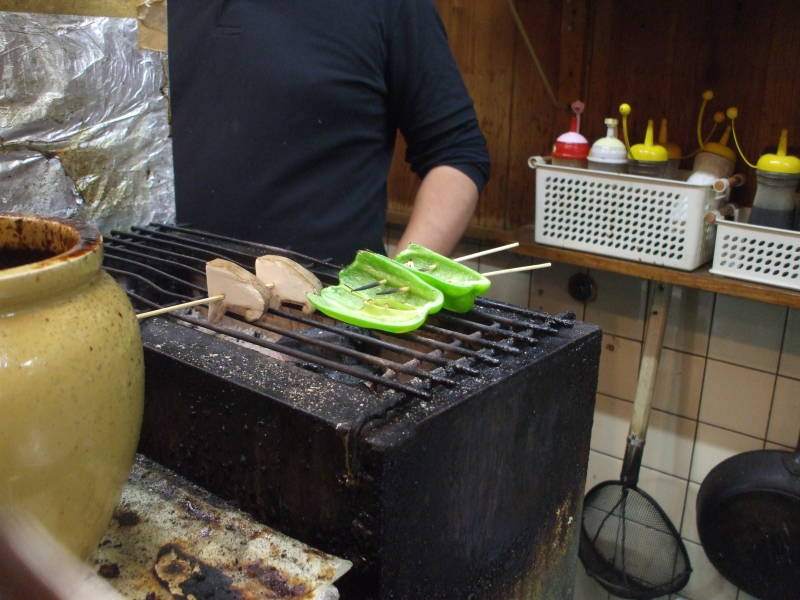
[784, 422]
[689, 320]
[689, 525]
[747, 333]
[737, 398]
[610, 428]
[679, 383]
[705, 583]
[587, 588]
[602, 468]
[549, 290]
[669, 492]
[620, 304]
[790, 357]
[774, 446]
[669, 444]
[619, 366]
[713, 445]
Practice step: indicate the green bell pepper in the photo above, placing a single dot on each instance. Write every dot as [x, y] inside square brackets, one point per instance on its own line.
[396, 312]
[458, 282]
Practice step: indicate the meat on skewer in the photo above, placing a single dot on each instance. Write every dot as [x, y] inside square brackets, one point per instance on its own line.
[291, 281]
[245, 294]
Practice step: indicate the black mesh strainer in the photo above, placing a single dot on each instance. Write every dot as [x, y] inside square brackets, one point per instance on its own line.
[628, 543]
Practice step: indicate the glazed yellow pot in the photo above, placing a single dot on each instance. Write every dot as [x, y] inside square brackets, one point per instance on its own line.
[71, 379]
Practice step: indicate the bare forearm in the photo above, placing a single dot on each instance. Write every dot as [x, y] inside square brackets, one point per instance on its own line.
[442, 210]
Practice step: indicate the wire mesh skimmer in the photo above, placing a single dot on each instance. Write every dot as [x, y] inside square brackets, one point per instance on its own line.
[628, 543]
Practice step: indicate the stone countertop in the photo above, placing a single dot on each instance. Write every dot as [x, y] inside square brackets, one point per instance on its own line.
[172, 539]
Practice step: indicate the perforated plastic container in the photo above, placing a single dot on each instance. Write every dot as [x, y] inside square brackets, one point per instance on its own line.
[648, 220]
[756, 253]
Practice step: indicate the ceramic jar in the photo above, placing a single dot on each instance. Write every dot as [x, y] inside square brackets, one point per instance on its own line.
[71, 379]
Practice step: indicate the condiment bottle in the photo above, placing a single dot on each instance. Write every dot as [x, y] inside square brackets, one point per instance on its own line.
[777, 176]
[647, 158]
[673, 151]
[609, 153]
[715, 161]
[571, 148]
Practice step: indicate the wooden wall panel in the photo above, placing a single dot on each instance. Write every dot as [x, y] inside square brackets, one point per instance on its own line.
[658, 56]
[515, 113]
[479, 37]
[535, 121]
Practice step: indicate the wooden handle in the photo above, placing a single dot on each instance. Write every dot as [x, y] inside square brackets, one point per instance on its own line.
[651, 354]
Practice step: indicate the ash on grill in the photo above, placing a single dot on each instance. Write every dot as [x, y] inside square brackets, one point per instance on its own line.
[445, 462]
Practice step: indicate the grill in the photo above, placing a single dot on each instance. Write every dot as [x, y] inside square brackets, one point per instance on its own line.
[448, 462]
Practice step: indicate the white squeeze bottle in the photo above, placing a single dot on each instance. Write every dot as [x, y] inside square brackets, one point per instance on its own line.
[609, 153]
[714, 161]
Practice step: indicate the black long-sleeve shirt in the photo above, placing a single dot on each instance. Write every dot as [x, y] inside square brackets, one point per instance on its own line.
[285, 114]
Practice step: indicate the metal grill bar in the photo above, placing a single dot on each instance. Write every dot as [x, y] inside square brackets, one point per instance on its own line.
[454, 347]
[158, 257]
[559, 320]
[381, 343]
[470, 339]
[514, 322]
[271, 249]
[490, 329]
[152, 258]
[362, 356]
[299, 354]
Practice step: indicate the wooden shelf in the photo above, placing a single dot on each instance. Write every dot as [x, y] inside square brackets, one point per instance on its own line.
[699, 279]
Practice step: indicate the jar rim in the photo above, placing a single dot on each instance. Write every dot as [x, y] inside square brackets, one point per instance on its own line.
[75, 254]
[64, 239]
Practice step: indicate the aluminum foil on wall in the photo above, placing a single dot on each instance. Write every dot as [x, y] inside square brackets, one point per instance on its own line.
[84, 123]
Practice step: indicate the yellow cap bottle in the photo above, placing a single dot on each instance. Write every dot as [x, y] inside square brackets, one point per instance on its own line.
[648, 158]
[778, 175]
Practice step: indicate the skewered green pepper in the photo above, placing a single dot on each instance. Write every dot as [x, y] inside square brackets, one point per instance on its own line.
[407, 306]
[458, 283]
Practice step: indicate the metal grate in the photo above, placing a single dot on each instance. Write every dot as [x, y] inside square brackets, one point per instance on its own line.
[161, 265]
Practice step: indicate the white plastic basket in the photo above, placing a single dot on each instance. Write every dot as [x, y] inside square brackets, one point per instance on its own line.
[648, 220]
[756, 253]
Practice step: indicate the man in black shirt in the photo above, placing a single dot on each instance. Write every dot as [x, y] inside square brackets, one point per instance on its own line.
[285, 114]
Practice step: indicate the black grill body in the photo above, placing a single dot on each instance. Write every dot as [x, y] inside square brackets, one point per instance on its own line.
[473, 490]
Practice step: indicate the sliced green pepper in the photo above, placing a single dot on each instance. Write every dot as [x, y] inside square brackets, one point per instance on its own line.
[396, 312]
[458, 282]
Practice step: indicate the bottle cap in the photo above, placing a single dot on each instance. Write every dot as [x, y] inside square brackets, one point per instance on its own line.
[721, 148]
[571, 144]
[648, 151]
[609, 149]
[673, 150]
[780, 162]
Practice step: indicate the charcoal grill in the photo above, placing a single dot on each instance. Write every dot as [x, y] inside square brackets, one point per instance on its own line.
[448, 462]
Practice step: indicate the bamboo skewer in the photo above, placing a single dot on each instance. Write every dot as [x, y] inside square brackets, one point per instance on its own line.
[166, 309]
[392, 291]
[518, 269]
[369, 286]
[485, 252]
